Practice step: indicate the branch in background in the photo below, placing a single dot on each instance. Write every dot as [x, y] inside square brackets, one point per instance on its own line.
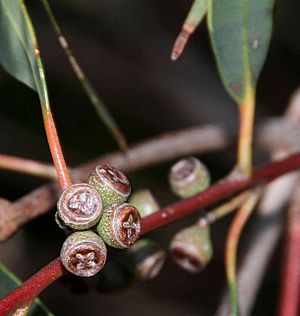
[27, 166]
[268, 225]
[290, 289]
[99, 107]
[274, 134]
[163, 148]
[265, 234]
[166, 147]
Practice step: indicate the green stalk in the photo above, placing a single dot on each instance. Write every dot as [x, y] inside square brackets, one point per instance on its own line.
[233, 237]
[99, 106]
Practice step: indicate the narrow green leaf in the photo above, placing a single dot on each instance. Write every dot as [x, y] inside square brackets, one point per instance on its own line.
[196, 13]
[8, 282]
[193, 19]
[19, 53]
[240, 32]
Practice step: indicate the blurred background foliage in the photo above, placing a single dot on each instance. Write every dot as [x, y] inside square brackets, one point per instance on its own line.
[124, 48]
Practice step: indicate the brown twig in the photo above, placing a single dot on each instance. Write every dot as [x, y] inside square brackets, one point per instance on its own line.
[165, 147]
[277, 133]
[28, 166]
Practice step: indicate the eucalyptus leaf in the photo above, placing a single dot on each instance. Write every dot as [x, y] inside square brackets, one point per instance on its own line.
[8, 282]
[240, 32]
[19, 54]
[196, 13]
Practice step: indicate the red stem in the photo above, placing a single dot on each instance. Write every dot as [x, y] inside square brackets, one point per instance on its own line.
[217, 192]
[56, 152]
[222, 189]
[290, 290]
[30, 289]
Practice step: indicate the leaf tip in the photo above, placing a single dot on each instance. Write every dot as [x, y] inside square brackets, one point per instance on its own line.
[179, 45]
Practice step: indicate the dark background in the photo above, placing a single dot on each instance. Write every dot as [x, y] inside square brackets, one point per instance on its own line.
[124, 47]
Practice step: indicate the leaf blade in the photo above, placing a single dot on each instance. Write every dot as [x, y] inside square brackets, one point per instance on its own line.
[17, 55]
[240, 32]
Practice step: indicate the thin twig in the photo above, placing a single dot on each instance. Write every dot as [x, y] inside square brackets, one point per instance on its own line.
[223, 210]
[268, 224]
[49, 124]
[163, 148]
[265, 234]
[272, 135]
[232, 241]
[28, 166]
[99, 106]
[290, 289]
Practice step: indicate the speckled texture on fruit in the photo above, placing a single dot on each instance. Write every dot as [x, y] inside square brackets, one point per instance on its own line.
[188, 177]
[191, 248]
[112, 185]
[80, 206]
[83, 253]
[120, 225]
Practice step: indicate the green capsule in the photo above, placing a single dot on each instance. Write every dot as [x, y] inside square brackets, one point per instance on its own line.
[191, 248]
[188, 177]
[144, 259]
[120, 225]
[144, 201]
[83, 253]
[112, 185]
[79, 207]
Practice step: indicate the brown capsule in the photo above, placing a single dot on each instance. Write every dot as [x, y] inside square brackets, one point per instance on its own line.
[144, 201]
[112, 184]
[145, 259]
[191, 248]
[120, 225]
[83, 253]
[188, 177]
[80, 206]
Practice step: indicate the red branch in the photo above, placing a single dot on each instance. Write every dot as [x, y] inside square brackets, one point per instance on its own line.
[222, 189]
[290, 289]
[30, 289]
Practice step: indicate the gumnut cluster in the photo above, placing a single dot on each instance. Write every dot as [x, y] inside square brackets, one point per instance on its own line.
[96, 213]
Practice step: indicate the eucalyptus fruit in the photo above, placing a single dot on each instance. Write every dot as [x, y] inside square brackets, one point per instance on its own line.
[120, 225]
[112, 184]
[188, 177]
[144, 201]
[83, 253]
[79, 207]
[191, 248]
[145, 259]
